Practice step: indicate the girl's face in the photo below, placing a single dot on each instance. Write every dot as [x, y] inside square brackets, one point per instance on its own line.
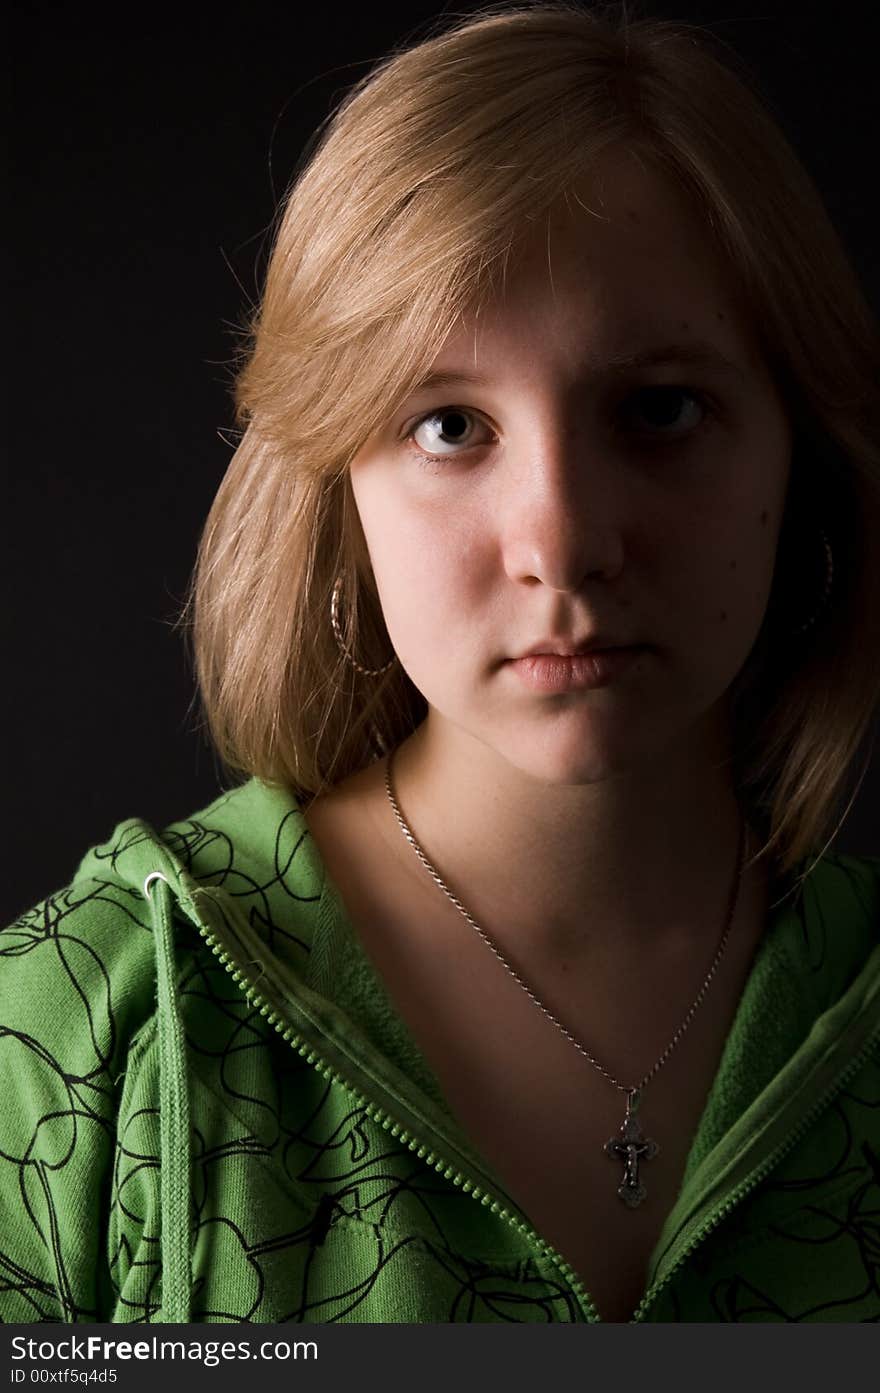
[539, 491]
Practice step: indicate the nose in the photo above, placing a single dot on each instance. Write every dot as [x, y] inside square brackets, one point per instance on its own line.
[560, 514]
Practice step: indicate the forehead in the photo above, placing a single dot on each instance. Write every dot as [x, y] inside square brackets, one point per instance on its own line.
[621, 262]
[625, 216]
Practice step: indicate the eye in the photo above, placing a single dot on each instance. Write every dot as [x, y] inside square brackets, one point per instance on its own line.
[661, 405]
[445, 432]
[450, 426]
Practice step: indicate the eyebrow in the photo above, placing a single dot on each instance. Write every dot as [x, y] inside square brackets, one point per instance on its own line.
[692, 354]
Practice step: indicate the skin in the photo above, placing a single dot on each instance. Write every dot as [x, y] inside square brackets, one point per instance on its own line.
[599, 822]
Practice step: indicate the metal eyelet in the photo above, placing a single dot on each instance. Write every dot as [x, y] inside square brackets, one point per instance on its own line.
[154, 875]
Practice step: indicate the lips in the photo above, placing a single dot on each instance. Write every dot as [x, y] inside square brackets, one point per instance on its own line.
[556, 648]
[558, 673]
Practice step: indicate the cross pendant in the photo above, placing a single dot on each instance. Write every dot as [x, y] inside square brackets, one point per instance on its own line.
[631, 1146]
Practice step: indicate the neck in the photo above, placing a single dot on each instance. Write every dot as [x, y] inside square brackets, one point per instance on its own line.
[636, 864]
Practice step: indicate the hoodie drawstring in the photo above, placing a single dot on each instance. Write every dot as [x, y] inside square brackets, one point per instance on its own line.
[174, 1158]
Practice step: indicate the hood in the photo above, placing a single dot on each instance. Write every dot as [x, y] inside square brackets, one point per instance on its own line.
[246, 874]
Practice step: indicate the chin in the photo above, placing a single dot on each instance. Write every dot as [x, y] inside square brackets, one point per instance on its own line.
[573, 758]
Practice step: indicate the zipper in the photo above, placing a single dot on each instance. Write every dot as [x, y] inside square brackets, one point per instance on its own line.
[395, 1129]
[756, 1176]
[469, 1186]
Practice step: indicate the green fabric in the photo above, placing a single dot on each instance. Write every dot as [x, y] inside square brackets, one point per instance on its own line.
[172, 1150]
[173, 1114]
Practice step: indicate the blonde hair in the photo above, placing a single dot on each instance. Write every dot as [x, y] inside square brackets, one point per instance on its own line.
[419, 185]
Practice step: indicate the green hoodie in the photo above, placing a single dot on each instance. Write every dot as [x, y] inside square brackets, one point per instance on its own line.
[211, 1110]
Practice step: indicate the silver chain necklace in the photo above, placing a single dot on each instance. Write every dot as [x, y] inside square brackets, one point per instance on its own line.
[630, 1145]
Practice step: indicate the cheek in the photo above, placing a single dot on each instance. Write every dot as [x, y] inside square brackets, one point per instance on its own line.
[419, 574]
[741, 577]
[436, 599]
[719, 567]
[414, 550]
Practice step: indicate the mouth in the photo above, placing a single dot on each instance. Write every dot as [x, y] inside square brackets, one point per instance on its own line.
[561, 672]
[561, 646]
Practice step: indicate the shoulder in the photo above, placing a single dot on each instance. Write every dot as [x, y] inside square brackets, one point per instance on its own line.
[75, 974]
[77, 969]
[831, 925]
[82, 962]
[846, 887]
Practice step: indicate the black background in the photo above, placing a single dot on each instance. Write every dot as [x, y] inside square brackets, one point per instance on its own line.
[149, 148]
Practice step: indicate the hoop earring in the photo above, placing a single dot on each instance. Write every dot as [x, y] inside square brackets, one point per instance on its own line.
[346, 652]
[826, 589]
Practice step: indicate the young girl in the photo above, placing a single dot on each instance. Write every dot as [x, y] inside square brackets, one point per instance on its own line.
[515, 980]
